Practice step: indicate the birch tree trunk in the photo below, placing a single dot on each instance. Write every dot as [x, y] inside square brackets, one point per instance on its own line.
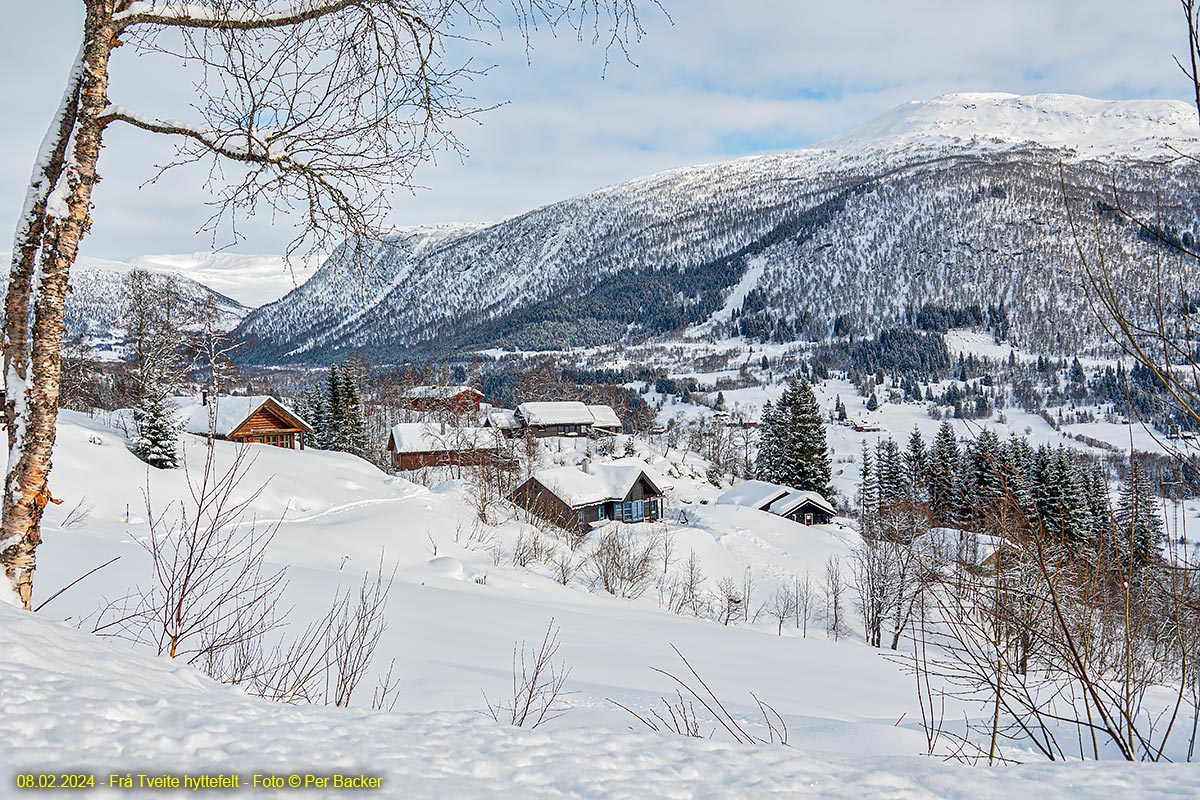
[58, 221]
[378, 68]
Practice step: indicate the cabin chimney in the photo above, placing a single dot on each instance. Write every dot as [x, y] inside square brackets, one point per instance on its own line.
[204, 397]
[586, 465]
[443, 427]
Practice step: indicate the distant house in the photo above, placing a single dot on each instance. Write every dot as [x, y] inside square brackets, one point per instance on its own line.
[453, 399]
[807, 508]
[605, 420]
[576, 498]
[566, 418]
[257, 419]
[503, 420]
[414, 445]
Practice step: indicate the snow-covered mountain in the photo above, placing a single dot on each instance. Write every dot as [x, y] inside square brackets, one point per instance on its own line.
[252, 280]
[97, 302]
[955, 201]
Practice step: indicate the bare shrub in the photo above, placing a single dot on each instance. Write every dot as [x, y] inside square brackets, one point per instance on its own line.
[78, 515]
[834, 588]
[804, 600]
[780, 606]
[623, 563]
[537, 685]
[211, 593]
[680, 717]
[213, 605]
[729, 594]
[565, 565]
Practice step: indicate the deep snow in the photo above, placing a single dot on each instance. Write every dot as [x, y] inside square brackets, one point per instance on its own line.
[75, 701]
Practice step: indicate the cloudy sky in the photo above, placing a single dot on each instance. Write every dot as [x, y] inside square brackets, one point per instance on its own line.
[719, 79]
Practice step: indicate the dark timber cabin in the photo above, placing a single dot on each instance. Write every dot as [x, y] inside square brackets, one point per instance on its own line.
[576, 498]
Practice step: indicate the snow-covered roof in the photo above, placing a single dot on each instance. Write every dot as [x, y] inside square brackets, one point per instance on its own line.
[568, 412]
[556, 412]
[605, 417]
[502, 418]
[440, 392]
[427, 437]
[754, 494]
[611, 480]
[965, 547]
[796, 498]
[231, 412]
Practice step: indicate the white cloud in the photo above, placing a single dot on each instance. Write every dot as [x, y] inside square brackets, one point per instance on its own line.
[726, 78]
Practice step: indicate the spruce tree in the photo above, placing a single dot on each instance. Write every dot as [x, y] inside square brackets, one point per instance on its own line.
[1073, 513]
[1047, 491]
[943, 476]
[807, 456]
[354, 427]
[889, 463]
[985, 482]
[868, 492]
[316, 413]
[157, 431]
[1100, 512]
[335, 426]
[766, 463]
[1139, 528]
[916, 463]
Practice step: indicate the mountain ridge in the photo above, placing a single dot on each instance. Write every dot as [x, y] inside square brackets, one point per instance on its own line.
[843, 228]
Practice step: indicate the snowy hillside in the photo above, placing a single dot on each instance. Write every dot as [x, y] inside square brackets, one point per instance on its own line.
[955, 201]
[458, 605]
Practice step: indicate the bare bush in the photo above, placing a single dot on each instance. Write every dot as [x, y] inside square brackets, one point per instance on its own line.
[684, 592]
[680, 717]
[804, 600]
[213, 605]
[79, 514]
[623, 563]
[729, 593]
[780, 606]
[834, 588]
[537, 685]
[211, 593]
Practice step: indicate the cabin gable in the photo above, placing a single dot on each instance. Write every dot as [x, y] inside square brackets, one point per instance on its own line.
[271, 424]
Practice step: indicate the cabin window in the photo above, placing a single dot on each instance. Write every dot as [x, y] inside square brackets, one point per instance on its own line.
[601, 512]
[808, 519]
[582, 517]
[633, 512]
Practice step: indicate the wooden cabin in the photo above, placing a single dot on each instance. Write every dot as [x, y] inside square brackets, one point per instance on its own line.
[414, 445]
[566, 418]
[256, 419]
[576, 498]
[807, 508]
[447, 399]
